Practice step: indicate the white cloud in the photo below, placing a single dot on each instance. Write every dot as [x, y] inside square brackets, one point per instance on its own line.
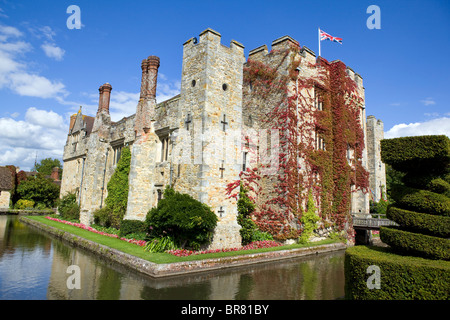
[53, 51]
[432, 127]
[428, 101]
[8, 31]
[14, 73]
[43, 132]
[32, 85]
[46, 119]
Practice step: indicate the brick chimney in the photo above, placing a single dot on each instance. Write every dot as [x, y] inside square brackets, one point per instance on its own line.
[149, 77]
[105, 96]
[145, 111]
[55, 174]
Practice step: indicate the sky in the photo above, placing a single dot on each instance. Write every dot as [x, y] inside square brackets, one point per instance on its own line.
[49, 69]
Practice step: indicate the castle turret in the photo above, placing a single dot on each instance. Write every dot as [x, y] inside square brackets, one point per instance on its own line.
[376, 168]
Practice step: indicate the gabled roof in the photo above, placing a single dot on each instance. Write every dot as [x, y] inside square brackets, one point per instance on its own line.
[79, 121]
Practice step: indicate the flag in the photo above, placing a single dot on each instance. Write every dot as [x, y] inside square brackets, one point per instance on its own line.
[325, 36]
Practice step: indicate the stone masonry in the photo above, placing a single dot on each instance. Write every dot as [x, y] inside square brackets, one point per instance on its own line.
[191, 141]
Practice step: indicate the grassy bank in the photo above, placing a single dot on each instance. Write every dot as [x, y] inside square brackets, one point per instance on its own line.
[138, 251]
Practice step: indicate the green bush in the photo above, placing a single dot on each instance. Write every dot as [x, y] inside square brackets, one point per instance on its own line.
[417, 154]
[402, 277]
[68, 207]
[132, 226]
[433, 225]
[188, 221]
[259, 235]
[117, 199]
[245, 208]
[439, 186]
[159, 245]
[416, 243]
[24, 204]
[38, 189]
[420, 200]
[103, 217]
[308, 220]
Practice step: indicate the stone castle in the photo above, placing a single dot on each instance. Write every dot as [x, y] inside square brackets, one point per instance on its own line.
[193, 141]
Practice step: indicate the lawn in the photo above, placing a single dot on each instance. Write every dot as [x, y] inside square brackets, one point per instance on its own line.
[138, 251]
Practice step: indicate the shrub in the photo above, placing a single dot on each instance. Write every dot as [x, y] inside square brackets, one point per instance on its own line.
[421, 200]
[434, 225]
[416, 243]
[132, 226]
[402, 277]
[68, 207]
[117, 199]
[308, 220]
[190, 222]
[259, 235]
[160, 245]
[24, 204]
[38, 189]
[103, 216]
[417, 154]
[245, 208]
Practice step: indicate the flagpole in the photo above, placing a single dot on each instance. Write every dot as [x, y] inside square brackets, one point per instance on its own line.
[319, 41]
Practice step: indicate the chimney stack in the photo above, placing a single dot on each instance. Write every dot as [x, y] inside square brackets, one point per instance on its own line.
[149, 77]
[105, 96]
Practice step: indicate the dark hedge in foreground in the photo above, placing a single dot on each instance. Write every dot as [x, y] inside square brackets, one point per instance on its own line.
[401, 277]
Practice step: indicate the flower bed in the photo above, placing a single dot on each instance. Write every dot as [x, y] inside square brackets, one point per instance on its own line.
[82, 226]
[253, 245]
[177, 252]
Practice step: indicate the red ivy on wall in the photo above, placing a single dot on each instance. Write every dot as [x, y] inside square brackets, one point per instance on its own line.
[328, 173]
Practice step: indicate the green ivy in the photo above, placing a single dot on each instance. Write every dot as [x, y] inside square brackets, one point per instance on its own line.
[116, 201]
[308, 220]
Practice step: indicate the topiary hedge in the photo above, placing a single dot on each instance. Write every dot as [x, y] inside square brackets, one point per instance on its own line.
[417, 154]
[422, 209]
[433, 225]
[420, 200]
[416, 243]
[401, 277]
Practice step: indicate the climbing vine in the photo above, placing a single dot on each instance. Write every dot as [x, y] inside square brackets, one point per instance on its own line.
[282, 101]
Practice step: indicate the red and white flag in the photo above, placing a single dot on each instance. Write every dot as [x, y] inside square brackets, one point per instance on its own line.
[325, 36]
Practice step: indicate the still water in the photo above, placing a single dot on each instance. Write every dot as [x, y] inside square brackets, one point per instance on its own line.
[33, 266]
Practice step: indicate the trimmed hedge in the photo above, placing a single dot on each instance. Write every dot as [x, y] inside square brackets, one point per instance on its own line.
[401, 277]
[420, 200]
[418, 154]
[416, 243]
[433, 225]
[132, 226]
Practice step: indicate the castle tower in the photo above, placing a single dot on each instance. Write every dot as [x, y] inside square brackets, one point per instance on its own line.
[210, 122]
[376, 168]
[144, 149]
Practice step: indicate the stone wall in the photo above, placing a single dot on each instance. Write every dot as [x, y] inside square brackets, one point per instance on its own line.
[377, 169]
[4, 199]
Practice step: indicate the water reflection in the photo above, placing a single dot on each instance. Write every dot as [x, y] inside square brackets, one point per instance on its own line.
[33, 266]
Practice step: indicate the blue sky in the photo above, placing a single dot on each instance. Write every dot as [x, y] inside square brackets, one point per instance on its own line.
[47, 70]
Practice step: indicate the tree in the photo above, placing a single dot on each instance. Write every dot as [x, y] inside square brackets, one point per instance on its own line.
[45, 167]
[39, 189]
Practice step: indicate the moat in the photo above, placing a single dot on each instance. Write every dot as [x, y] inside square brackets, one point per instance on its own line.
[33, 266]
